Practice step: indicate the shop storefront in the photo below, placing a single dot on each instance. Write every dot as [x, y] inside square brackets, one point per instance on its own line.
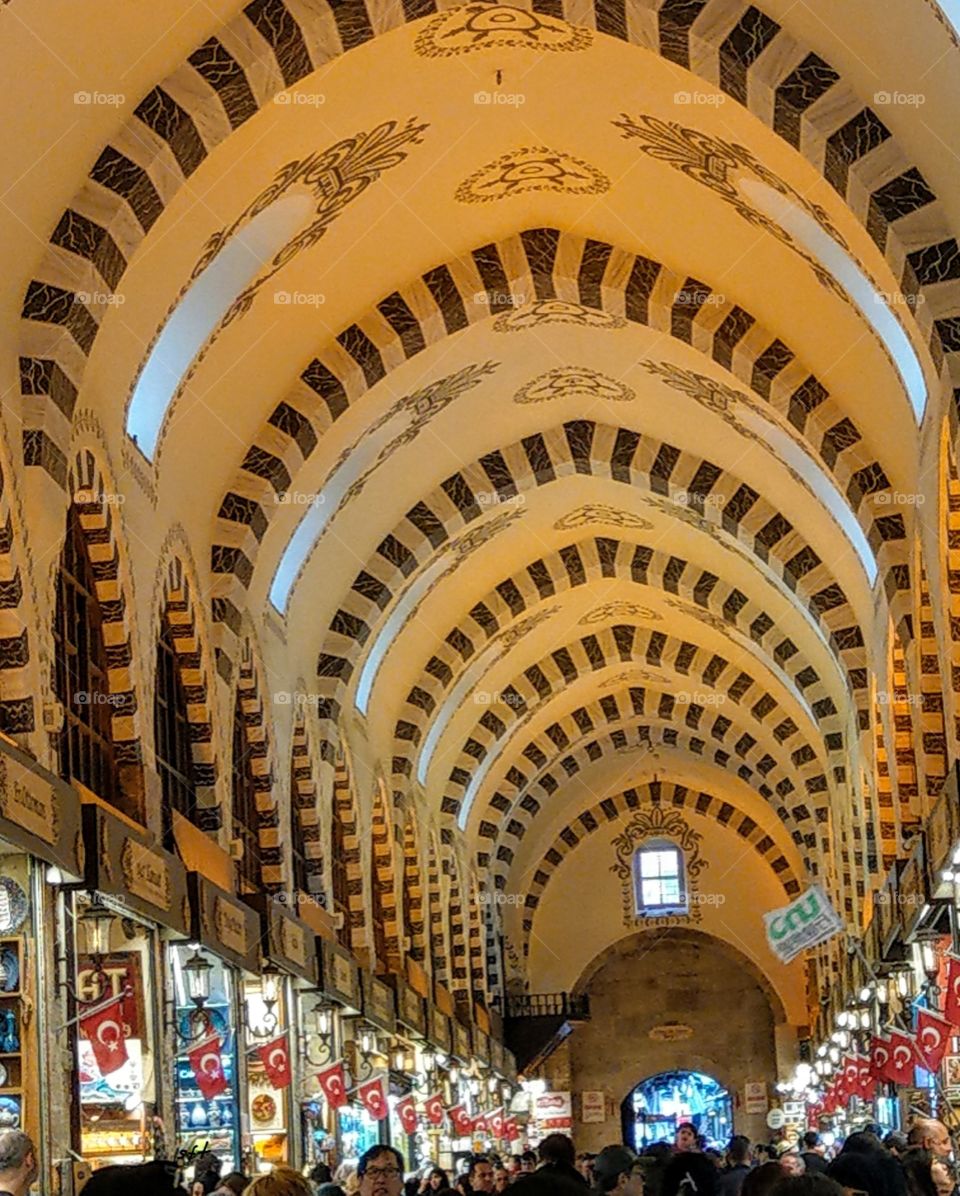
[276, 1004]
[135, 899]
[461, 1052]
[440, 1142]
[206, 978]
[372, 1041]
[406, 1132]
[41, 847]
[325, 1026]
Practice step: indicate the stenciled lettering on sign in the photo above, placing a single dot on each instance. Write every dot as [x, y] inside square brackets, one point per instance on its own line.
[27, 801]
[293, 942]
[231, 926]
[146, 875]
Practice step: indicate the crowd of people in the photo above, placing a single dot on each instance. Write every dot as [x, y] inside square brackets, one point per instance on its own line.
[865, 1164]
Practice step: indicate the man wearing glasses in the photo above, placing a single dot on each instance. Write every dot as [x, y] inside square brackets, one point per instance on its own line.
[380, 1171]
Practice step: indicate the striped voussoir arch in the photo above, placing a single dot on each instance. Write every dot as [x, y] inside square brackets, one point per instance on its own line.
[347, 865]
[906, 786]
[476, 945]
[546, 264]
[491, 937]
[303, 795]
[551, 676]
[618, 725]
[17, 699]
[180, 615]
[951, 592]
[382, 880]
[92, 496]
[887, 815]
[436, 922]
[272, 44]
[414, 923]
[739, 516]
[928, 694]
[586, 562]
[459, 970]
[605, 814]
[250, 694]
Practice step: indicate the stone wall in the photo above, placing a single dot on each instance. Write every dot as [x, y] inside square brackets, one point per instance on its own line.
[652, 980]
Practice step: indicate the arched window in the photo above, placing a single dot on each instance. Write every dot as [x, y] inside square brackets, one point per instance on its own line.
[81, 674]
[171, 732]
[659, 879]
[245, 804]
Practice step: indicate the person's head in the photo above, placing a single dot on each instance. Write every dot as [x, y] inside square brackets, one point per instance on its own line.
[761, 1179]
[917, 1165]
[236, 1182]
[557, 1148]
[689, 1173]
[319, 1173]
[146, 1179]
[738, 1150]
[896, 1143]
[617, 1169]
[18, 1160]
[528, 1161]
[380, 1171]
[944, 1179]
[811, 1140]
[792, 1164]
[437, 1180]
[330, 1189]
[585, 1165]
[501, 1178]
[862, 1142]
[281, 1181]
[480, 1173]
[859, 1172]
[686, 1137]
[932, 1135]
[813, 1184]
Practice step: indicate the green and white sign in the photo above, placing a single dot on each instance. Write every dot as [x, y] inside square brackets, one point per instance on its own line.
[809, 920]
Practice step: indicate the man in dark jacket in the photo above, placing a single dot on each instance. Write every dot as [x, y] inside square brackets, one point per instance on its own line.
[812, 1153]
[557, 1165]
[738, 1164]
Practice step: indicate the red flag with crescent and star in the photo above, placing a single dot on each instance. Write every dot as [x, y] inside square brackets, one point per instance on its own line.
[373, 1098]
[406, 1111]
[208, 1067]
[495, 1121]
[849, 1081]
[433, 1108]
[103, 1026]
[866, 1081]
[933, 1036]
[333, 1085]
[902, 1058]
[951, 1002]
[879, 1056]
[462, 1123]
[275, 1057]
[511, 1131]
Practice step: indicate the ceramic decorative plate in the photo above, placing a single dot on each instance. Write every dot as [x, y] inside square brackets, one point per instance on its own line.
[3, 1076]
[264, 1108]
[13, 905]
[9, 970]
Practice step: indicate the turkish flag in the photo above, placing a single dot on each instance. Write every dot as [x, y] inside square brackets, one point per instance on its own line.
[511, 1131]
[866, 1083]
[374, 1099]
[275, 1057]
[406, 1110]
[902, 1058]
[933, 1035]
[103, 1025]
[814, 1113]
[849, 1077]
[333, 1085]
[208, 1067]
[480, 1125]
[951, 1003]
[433, 1108]
[462, 1125]
[879, 1056]
[495, 1121]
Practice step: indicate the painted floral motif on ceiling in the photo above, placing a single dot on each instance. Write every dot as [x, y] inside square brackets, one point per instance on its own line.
[532, 168]
[566, 381]
[556, 311]
[593, 513]
[474, 27]
[620, 610]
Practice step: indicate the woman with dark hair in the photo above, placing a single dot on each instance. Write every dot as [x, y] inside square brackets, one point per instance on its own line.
[146, 1179]
[917, 1165]
[436, 1180]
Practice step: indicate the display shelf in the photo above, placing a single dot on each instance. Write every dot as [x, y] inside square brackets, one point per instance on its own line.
[6, 996]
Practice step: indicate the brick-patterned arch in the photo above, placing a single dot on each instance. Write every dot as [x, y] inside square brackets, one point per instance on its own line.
[306, 810]
[459, 968]
[94, 498]
[384, 941]
[449, 524]
[272, 44]
[951, 585]
[476, 945]
[181, 615]
[346, 869]
[618, 807]
[498, 621]
[436, 921]
[414, 920]
[252, 696]
[19, 617]
[929, 720]
[597, 277]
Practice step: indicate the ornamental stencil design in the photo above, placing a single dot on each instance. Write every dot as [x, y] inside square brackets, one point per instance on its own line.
[655, 822]
[532, 168]
[556, 311]
[474, 27]
[565, 381]
[597, 512]
[620, 610]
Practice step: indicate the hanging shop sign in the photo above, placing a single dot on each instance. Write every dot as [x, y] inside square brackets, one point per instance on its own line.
[290, 943]
[340, 976]
[593, 1107]
[460, 1040]
[410, 1008]
[141, 875]
[224, 923]
[378, 1003]
[496, 1055]
[438, 1029]
[887, 915]
[805, 922]
[553, 1111]
[481, 1047]
[39, 813]
[912, 896]
[755, 1099]
[942, 834]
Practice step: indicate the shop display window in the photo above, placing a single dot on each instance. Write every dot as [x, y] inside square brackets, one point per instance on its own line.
[17, 992]
[268, 1106]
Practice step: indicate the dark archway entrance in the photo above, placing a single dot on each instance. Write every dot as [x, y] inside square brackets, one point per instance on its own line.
[652, 1111]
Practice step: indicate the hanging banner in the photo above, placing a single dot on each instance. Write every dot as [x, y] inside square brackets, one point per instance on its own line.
[406, 1111]
[933, 1035]
[333, 1084]
[275, 1057]
[433, 1109]
[374, 1098]
[462, 1123]
[208, 1067]
[806, 922]
[951, 1004]
[902, 1060]
[103, 1026]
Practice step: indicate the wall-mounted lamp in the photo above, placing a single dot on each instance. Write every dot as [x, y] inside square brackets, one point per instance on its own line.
[196, 977]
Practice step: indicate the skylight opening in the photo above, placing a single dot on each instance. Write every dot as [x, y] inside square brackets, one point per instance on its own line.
[202, 308]
[872, 305]
[951, 10]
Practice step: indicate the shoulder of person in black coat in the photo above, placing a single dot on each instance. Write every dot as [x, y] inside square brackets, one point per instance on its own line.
[550, 1181]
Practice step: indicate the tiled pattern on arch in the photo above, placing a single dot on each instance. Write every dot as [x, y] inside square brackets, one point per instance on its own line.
[382, 875]
[17, 709]
[412, 894]
[547, 264]
[459, 970]
[615, 809]
[549, 678]
[251, 698]
[929, 720]
[437, 923]
[343, 808]
[272, 44]
[586, 562]
[306, 810]
[952, 588]
[585, 448]
[179, 612]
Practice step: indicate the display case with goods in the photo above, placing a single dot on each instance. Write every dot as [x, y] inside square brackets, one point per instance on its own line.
[13, 1078]
[268, 1056]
